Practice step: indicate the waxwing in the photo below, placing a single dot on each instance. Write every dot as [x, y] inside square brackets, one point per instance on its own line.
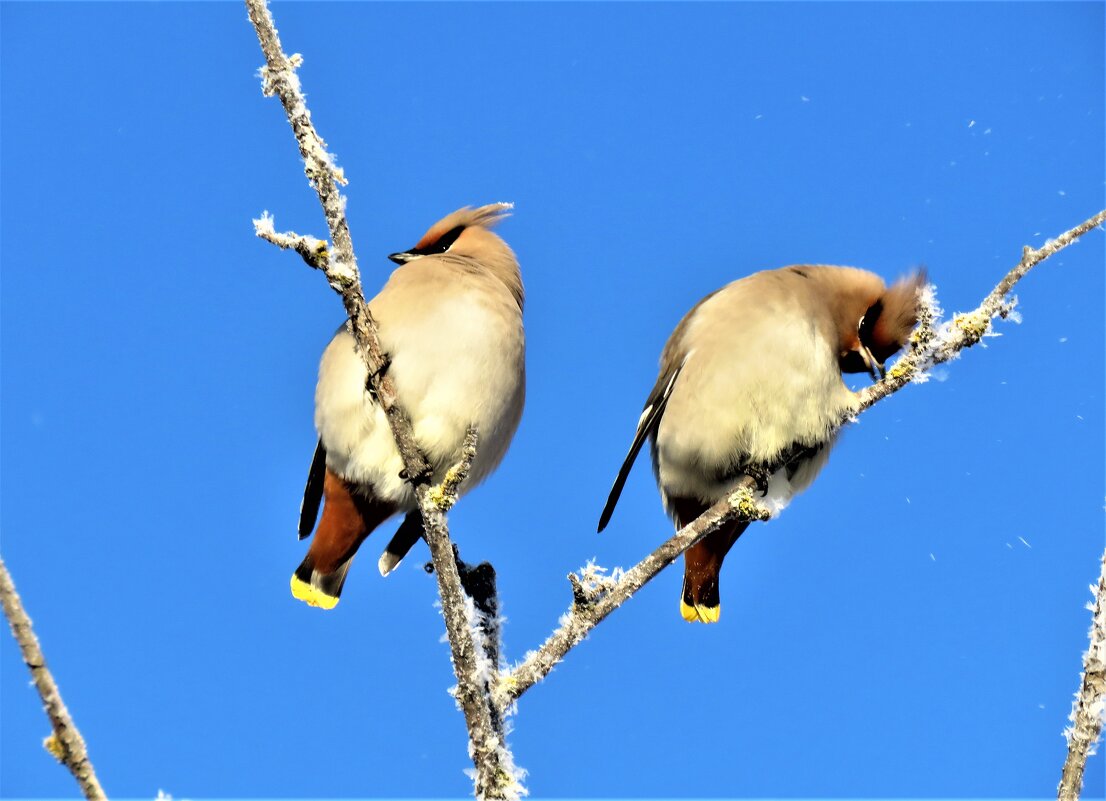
[751, 384]
[450, 321]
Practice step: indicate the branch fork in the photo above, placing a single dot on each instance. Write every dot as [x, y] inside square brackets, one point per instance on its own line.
[484, 693]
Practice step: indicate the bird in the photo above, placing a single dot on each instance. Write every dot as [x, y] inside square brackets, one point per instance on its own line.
[751, 384]
[450, 325]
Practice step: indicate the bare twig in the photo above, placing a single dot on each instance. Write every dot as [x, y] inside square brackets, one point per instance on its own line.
[931, 347]
[495, 773]
[1090, 702]
[313, 251]
[583, 617]
[65, 743]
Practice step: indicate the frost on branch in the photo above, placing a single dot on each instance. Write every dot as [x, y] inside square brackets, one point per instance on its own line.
[591, 583]
[485, 625]
[314, 251]
[1089, 708]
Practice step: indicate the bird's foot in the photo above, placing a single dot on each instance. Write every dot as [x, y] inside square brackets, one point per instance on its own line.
[422, 477]
[760, 476]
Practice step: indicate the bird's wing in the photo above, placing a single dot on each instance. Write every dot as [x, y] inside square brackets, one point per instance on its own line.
[313, 492]
[647, 424]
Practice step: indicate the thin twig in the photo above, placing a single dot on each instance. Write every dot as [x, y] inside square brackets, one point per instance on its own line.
[583, 617]
[65, 743]
[313, 251]
[966, 329]
[489, 752]
[1090, 702]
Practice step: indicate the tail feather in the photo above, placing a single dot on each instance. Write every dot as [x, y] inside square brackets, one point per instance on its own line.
[348, 518]
[700, 600]
[318, 589]
[313, 492]
[408, 533]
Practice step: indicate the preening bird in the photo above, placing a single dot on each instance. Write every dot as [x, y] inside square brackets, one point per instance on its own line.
[751, 384]
[450, 321]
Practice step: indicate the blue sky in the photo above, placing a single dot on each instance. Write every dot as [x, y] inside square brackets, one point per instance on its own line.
[911, 627]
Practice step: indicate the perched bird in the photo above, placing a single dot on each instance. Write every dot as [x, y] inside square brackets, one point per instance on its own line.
[751, 384]
[450, 321]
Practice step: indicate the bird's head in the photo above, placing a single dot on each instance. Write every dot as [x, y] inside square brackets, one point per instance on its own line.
[886, 317]
[466, 235]
[466, 232]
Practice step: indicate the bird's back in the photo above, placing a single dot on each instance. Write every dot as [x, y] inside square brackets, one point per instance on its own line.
[760, 374]
[466, 367]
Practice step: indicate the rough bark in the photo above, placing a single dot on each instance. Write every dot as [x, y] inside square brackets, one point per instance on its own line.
[1090, 701]
[65, 743]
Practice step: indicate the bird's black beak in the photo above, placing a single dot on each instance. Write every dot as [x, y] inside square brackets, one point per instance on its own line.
[875, 369]
[401, 258]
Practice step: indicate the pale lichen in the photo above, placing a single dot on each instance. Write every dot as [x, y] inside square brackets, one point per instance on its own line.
[53, 745]
[974, 324]
[747, 506]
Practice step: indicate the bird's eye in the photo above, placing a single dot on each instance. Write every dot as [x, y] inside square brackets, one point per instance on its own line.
[868, 322]
[445, 241]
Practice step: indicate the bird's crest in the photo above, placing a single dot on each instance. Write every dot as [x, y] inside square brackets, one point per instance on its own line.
[483, 216]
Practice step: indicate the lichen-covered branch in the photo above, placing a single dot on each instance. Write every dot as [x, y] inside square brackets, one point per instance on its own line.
[590, 607]
[1089, 708]
[444, 495]
[494, 770]
[496, 776]
[931, 345]
[313, 251]
[65, 743]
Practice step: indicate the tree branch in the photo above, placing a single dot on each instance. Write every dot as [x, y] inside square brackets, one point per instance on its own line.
[930, 345]
[590, 608]
[65, 743]
[495, 773]
[313, 251]
[1089, 707]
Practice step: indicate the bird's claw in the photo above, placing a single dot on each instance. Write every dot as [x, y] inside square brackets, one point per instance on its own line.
[423, 476]
[760, 476]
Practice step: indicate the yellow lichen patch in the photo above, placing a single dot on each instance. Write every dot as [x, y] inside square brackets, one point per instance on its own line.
[900, 370]
[53, 745]
[747, 506]
[441, 497]
[444, 495]
[975, 325]
[312, 596]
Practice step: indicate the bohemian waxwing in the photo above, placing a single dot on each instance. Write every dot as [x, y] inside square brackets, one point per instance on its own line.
[750, 384]
[450, 322]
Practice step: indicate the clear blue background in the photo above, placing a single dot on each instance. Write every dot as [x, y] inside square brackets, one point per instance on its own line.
[890, 635]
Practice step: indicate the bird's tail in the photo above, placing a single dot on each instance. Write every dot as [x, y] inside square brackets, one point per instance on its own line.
[316, 588]
[700, 600]
[348, 518]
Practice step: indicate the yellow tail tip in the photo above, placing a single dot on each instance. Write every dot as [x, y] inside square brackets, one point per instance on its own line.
[312, 596]
[699, 613]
